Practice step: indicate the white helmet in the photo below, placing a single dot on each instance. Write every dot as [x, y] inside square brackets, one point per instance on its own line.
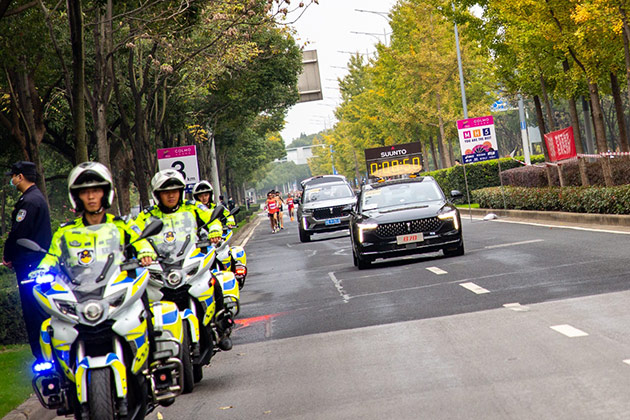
[201, 187]
[166, 180]
[87, 175]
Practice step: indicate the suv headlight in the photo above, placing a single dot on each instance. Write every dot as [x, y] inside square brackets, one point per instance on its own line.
[362, 227]
[450, 215]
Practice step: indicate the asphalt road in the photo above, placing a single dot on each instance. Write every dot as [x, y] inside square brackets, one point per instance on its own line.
[532, 322]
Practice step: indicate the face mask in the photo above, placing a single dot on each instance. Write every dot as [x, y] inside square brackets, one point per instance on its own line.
[14, 186]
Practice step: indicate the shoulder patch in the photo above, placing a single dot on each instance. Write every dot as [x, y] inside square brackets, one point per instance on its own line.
[136, 229]
[202, 206]
[21, 214]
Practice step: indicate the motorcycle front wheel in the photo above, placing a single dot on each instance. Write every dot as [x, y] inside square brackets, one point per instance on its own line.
[101, 395]
[186, 358]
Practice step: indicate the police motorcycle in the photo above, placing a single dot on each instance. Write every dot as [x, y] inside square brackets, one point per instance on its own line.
[182, 274]
[232, 258]
[105, 355]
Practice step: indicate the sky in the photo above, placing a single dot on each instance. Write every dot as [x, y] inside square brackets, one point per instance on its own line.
[328, 28]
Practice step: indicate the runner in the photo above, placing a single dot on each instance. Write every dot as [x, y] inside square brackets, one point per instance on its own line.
[280, 201]
[271, 205]
[290, 205]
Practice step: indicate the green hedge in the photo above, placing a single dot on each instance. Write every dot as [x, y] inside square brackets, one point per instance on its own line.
[12, 329]
[605, 200]
[480, 175]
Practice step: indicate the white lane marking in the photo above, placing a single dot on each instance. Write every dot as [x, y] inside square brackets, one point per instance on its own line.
[474, 288]
[436, 270]
[289, 246]
[627, 361]
[569, 331]
[341, 251]
[251, 233]
[562, 227]
[514, 244]
[339, 287]
[312, 252]
[516, 307]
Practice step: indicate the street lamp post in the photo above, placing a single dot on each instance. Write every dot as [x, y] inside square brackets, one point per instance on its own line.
[384, 15]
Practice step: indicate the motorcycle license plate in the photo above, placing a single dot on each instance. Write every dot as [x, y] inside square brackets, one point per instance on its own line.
[409, 239]
[335, 221]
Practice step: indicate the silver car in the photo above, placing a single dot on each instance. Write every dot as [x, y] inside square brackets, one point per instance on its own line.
[325, 207]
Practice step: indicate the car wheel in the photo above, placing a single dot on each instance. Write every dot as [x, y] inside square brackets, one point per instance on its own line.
[456, 252]
[304, 236]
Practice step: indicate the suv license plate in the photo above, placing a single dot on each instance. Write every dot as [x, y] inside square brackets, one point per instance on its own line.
[333, 221]
[410, 238]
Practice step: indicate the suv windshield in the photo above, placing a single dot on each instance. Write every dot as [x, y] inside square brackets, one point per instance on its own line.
[400, 195]
[327, 192]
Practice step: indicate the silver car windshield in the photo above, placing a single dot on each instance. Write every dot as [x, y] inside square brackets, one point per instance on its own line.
[91, 254]
[327, 192]
[400, 195]
[178, 234]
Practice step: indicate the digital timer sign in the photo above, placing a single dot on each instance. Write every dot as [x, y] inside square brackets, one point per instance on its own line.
[380, 158]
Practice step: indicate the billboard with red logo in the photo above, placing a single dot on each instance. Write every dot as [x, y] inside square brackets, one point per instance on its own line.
[560, 144]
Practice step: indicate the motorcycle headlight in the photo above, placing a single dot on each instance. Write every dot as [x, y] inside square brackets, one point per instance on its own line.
[450, 215]
[66, 308]
[93, 311]
[362, 227]
[174, 278]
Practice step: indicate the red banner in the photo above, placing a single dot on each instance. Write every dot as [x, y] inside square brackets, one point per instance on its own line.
[560, 144]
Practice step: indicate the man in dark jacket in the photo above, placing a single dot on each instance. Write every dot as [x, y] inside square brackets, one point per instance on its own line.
[31, 220]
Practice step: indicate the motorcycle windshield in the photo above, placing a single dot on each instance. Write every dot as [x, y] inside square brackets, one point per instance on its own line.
[178, 235]
[91, 254]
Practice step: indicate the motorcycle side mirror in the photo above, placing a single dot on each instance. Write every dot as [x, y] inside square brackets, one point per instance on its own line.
[32, 245]
[235, 210]
[456, 194]
[152, 229]
[217, 212]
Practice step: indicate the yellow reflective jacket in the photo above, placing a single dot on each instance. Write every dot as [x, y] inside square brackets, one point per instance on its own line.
[129, 232]
[201, 212]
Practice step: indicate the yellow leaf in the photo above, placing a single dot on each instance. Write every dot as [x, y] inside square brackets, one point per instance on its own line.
[227, 407]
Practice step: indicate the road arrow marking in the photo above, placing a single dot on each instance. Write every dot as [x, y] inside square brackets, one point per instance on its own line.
[569, 331]
[474, 288]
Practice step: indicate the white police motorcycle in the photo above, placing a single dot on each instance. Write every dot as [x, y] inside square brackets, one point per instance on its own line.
[105, 354]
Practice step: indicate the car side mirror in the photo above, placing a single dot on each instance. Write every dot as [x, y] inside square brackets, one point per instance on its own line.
[456, 194]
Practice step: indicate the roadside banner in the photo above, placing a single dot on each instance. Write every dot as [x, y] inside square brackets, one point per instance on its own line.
[477, 139]
[184, 160]
[561, 144]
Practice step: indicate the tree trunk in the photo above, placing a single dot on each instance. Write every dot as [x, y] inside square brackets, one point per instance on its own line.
[436, 165]
[440, 150]
[575, 121]
[621, 123]
[541, 126]
[444, 151]
[552, 123]
[75, 17]
[583, 173]
[626, 47]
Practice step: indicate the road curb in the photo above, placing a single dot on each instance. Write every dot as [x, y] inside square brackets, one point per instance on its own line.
[555, 216]
[244, 231]
[30, 409]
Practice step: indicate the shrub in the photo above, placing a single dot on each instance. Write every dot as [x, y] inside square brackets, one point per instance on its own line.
[479, 175]
[533, 176]
[605, 200]
[12, 329]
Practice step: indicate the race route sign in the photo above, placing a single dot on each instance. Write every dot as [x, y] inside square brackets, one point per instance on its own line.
[379, 158]
[477, 139]
[560, 144]
[184, 160]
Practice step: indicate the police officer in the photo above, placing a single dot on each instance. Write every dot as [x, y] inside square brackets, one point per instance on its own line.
[31, 220]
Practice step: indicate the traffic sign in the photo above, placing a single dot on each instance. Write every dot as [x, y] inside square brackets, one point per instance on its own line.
[184, 160]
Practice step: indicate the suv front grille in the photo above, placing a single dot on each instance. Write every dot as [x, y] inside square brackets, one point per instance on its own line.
[328, 212]
[430, 224]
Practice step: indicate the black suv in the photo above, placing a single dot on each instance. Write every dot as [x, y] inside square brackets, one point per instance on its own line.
[325, 206]
[402, 217]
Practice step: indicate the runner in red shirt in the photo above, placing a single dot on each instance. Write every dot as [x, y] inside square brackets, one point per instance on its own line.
[271, 205]
[290, 206]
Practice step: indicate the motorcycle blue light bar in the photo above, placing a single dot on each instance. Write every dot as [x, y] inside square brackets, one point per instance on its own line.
[42, 367]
